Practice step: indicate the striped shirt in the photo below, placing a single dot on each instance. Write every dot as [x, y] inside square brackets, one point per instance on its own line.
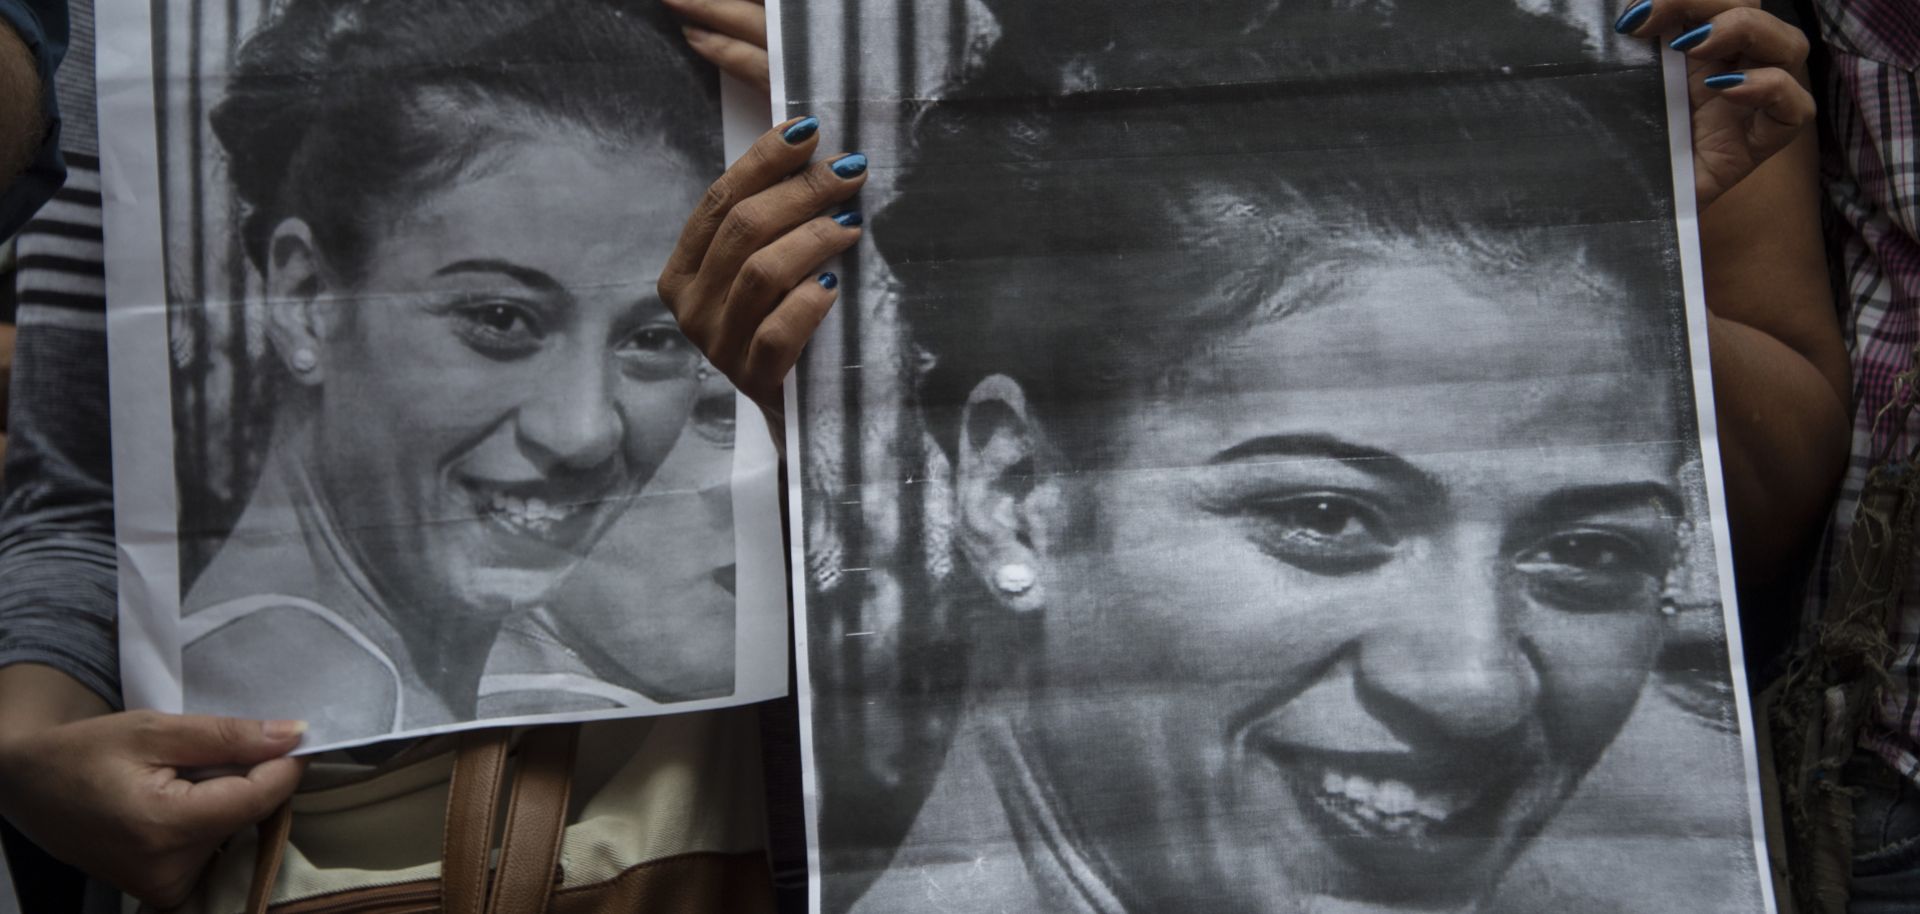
[1872, 179]
[57, 567]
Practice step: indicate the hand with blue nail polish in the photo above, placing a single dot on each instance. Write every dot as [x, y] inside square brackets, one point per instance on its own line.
[1746, 70]
[746, 281]
[731, 34]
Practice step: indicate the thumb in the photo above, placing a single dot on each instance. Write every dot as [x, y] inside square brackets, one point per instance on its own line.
[181, 741]
[216, 808]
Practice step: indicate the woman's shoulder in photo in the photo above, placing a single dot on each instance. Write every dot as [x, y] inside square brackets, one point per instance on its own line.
[284, 657]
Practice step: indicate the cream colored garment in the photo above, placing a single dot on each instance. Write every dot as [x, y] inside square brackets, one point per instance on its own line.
[645, 790]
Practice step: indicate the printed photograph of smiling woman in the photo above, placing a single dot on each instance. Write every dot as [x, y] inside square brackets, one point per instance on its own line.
[1310, 439]
[430, 419]
[582, 649]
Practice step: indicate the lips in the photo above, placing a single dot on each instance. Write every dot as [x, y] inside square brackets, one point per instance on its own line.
[537, 525]
[1393, 816]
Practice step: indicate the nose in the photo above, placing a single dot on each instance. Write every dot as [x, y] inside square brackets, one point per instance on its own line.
[1454, 664]
[574, 423]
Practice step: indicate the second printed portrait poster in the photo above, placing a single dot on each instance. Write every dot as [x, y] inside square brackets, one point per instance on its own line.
[1261, 463]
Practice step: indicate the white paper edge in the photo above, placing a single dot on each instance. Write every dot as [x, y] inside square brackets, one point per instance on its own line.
[760, 593]
[796, 516]
[141, 410]
[1687, 221]
[141, 413]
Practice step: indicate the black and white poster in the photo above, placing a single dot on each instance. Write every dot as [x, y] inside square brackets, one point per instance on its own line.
[405, 440]
[1262, 462]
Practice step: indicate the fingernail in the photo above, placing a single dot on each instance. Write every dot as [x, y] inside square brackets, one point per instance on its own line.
[829, 281]
[1724, 80]
[282, 729]
[851, 218]
[852, 166]
[800, 130]
[1635, 17]
[695, 33]
[1692, 39]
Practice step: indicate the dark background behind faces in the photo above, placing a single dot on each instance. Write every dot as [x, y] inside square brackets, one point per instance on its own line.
[225, 378]
[886, 659]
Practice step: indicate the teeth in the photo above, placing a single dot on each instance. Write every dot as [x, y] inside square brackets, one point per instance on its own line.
[1395, 798]
[1390, 804]
[533, 512]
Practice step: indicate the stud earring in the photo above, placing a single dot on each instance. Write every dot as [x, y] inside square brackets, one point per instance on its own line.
[304, 360]
[1014, 579]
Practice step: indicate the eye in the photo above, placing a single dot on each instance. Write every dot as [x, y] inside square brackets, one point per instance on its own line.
[1591, 570]
[1323, 532]
[656, 351]
[499, 329]
[713, 418]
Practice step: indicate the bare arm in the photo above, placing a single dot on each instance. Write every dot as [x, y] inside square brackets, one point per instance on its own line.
[22, 117]
[1779, 365]
[1780, 368]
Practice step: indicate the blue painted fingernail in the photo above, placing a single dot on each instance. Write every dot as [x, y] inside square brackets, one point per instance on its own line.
[852, 166]
[1725, 80]
[851, 218]
[1635, 17]
[828, 281]
[800, 130]
[1692, 39]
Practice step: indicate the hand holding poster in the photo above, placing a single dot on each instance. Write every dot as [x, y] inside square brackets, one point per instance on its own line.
[1263, 463]
[405, 439]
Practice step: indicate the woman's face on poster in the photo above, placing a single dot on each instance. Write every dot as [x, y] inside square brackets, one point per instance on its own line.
[1360, 597]
[500, 376]
[653, 607]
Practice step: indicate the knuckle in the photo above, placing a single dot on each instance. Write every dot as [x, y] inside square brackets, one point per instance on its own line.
[822, 185]
[744, 226]
[146, 726]
[700, 334]
[230, 731]
[774, 346]
[669, 286]
[1797, 46]
[759, 276]
[719, 196]
[825, 233]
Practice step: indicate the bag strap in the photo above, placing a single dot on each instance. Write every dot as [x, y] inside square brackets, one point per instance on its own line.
[274, 831]
[473, 800]
[536, 821]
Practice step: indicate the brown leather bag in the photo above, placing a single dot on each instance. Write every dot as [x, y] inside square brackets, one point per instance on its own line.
[515, 797]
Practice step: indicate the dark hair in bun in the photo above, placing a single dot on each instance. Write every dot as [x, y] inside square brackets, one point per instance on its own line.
[345, 112]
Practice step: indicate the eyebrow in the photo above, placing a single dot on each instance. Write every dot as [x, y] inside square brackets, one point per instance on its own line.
[545, 284]
[1370, 460]
[1579, 501]
[531, 278]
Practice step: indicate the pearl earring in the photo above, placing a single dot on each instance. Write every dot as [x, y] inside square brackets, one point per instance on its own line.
[304, 360]
[1014, 578]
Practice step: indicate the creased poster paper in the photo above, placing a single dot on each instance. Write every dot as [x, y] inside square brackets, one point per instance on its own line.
[1263, 460]
[404, 440]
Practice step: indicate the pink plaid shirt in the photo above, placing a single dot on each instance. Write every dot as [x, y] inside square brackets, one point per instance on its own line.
[1873, 182]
